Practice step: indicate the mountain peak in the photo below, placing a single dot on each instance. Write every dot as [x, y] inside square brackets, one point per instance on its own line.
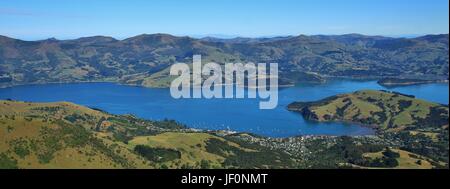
[4, 39]
[157, 36]
[94, 40]
[442, 38]
[155, 39]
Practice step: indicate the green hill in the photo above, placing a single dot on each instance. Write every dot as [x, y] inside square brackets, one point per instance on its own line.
[65, 135]
[384, 110]
[411, 133]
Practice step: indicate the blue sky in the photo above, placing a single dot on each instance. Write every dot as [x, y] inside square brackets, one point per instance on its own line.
[64, 19]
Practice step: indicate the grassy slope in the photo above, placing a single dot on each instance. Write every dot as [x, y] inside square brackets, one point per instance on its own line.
[420, 126]
[191, 145]
[65, 135]
[37, 135]
[380, 109]
[406, 160]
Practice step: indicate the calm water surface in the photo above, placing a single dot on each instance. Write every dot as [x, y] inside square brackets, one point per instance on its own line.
[235, 114]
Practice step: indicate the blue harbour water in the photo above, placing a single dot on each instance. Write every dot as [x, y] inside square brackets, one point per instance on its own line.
[241, 115]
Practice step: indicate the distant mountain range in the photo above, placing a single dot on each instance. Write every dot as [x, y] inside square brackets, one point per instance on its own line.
[144, 59]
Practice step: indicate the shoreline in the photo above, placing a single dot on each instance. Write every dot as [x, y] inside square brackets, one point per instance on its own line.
[387, 85]
[352, 123]
[396, 84]
[217, 131]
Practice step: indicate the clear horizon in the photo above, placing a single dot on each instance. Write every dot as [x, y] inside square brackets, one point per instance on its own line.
[222, 36]
[37, 20]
